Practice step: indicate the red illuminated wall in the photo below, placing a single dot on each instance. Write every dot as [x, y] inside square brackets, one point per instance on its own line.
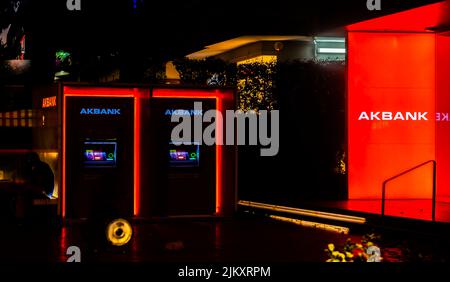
[400, 63]
[443, 126]
[390, 72]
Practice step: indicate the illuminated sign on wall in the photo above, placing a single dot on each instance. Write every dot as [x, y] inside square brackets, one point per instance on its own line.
[49, 102]
[100, 111]
[391, 124]
[372, 116]
[398, 69]
[180, 112]
[393, 116]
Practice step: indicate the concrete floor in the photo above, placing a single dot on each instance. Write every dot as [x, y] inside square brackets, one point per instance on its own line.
[239, 240]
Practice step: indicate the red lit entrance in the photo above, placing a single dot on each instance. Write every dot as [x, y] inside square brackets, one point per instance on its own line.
[398, 113]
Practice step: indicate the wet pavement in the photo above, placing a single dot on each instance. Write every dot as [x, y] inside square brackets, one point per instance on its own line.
[238, 240]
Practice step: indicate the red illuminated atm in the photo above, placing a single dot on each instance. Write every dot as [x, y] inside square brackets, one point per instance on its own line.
[398, 114]
[118, 160]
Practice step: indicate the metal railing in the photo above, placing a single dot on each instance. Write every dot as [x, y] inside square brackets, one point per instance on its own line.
[433, 210]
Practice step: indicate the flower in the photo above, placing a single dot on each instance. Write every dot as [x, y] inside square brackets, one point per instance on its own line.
[331, 247]
[354, 252]
[357, 252]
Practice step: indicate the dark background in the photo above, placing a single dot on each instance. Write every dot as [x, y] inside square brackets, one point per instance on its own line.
[109, 34]
[159, 30]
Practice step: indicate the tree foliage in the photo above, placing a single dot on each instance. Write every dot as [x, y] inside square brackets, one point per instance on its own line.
[254, 82]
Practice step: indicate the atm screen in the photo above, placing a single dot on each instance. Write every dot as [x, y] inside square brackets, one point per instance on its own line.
[100, 154]
[184, 155]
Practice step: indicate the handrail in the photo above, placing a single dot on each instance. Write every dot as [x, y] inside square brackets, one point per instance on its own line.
[433, 211]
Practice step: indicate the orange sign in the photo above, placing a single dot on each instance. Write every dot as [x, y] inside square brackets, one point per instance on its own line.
[49, 102]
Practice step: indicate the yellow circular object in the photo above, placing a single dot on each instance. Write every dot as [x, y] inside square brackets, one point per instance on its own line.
[119, 232]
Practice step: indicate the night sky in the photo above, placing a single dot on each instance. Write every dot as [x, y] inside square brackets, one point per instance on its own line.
[115, 33]
[176, 28]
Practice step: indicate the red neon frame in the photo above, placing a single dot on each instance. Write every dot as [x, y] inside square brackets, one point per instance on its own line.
[203, 94]
[69, 91]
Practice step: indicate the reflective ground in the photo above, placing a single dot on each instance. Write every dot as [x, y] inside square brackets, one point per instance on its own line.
[414, 209]
[236, 240]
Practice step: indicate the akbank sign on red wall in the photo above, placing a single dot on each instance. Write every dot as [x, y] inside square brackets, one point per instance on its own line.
[399, 104]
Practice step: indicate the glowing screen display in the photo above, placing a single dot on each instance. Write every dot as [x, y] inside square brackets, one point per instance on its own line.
[184, 155]
[100, 154]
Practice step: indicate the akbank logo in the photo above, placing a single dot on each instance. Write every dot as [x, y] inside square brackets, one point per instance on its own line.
[181, 112]
[100, 111]
[393, 116]
[403, 116]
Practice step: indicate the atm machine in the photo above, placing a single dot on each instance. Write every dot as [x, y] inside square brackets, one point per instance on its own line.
[98, 152]
[118, 160]
[189, 178]
[98, 156]
[185, 174]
